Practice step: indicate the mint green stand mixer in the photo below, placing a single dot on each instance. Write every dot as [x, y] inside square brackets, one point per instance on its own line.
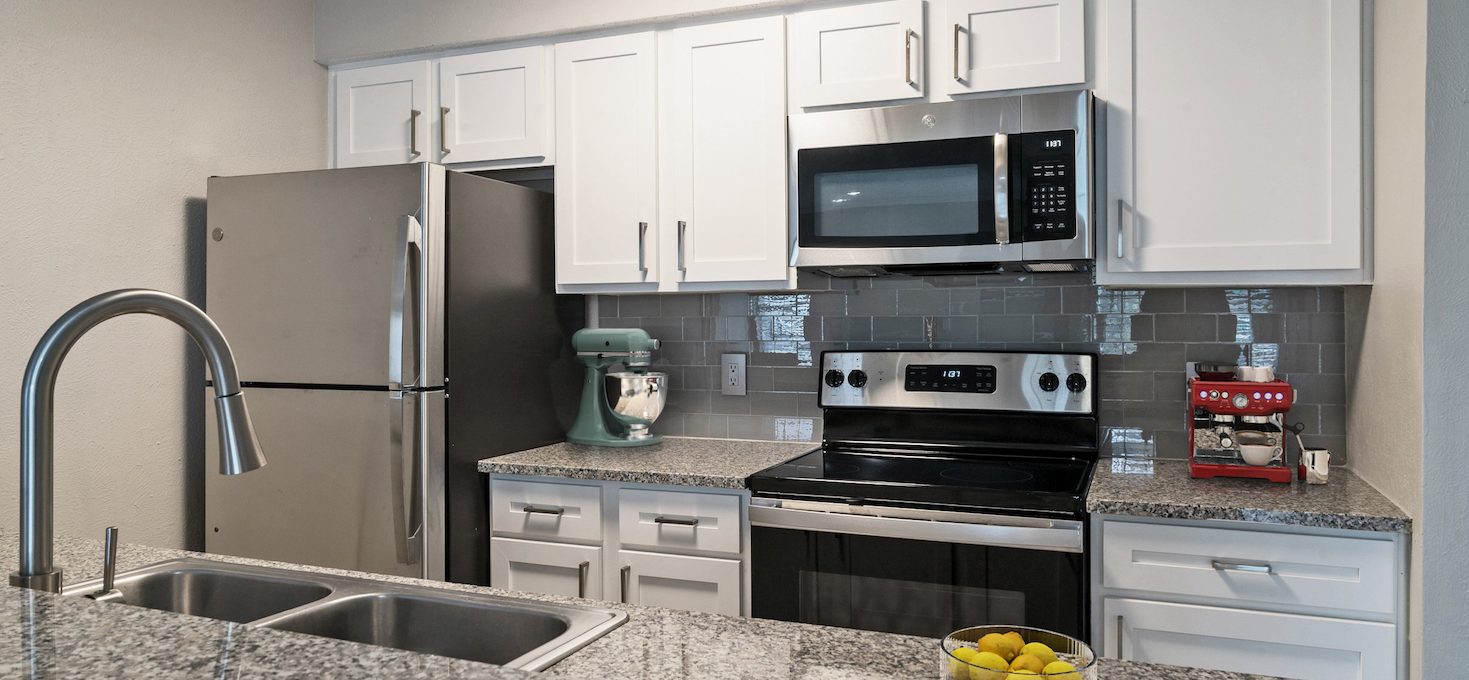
[641, 393]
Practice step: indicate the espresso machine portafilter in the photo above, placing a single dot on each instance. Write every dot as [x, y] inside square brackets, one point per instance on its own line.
[641, 393]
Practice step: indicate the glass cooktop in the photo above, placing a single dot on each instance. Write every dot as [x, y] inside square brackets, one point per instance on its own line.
[998, 483]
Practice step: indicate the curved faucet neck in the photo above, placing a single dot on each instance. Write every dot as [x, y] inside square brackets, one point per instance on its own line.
[37, 411]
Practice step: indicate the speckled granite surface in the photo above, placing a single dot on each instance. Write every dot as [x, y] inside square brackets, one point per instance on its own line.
[1162, 488]
[682, 461]
[57, 637]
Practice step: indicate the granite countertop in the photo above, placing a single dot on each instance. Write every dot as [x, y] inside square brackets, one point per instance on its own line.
[681, 461]
[1162, 488]
[66, 637]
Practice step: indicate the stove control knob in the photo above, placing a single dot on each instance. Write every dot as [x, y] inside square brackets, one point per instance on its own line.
[1241, 400]
[1076, 382]
[1049, 381]
[857, 378]
[834, 378]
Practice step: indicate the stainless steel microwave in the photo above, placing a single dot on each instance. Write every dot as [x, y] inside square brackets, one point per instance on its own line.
[974, 185]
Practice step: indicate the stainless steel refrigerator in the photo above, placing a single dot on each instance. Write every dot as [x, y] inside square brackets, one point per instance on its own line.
[393, 325]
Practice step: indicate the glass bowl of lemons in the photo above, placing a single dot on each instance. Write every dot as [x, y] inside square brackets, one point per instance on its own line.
[1015, 653]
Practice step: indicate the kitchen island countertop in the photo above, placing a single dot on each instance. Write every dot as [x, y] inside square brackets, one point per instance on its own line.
[679, 461]
[1146, 487]
[70, 637]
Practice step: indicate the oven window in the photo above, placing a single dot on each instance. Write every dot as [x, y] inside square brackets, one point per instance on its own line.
[912, 587]
[930, 193]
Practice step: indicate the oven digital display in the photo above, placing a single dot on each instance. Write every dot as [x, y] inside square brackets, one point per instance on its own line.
[949, 378]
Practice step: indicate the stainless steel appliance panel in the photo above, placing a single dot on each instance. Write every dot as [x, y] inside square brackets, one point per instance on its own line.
[350, 483]
[513, 380]
[331, 276]
[1019, 381]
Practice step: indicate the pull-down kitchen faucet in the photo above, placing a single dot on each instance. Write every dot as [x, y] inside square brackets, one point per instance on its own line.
[238, 449]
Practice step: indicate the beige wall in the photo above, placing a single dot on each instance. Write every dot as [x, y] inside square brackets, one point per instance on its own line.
[348, 30]
[112, 116]
[1385, 422]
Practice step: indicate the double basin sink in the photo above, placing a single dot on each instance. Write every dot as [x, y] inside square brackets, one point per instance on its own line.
[504, 631]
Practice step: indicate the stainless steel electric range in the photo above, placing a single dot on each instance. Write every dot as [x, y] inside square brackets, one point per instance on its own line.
[949, 491]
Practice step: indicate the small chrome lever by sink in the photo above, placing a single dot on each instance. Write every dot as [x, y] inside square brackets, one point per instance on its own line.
[109, 568]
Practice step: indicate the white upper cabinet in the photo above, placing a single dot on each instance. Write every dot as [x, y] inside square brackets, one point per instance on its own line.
[723, 151]
[382, 114]
[1235, 143]
[1010, 44]
[494, 106]
[857, 54]
[606, 170]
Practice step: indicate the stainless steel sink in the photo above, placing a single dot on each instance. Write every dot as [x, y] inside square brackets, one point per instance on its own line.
[491, 629]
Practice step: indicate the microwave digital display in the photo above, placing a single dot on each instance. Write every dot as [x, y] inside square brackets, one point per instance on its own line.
[949, 378]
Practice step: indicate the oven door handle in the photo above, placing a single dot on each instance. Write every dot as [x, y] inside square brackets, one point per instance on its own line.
[1062, 536]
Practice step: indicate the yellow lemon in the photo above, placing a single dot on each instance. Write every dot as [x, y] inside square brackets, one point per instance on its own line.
[1060, 670]
[1040, 651]
[1026, 662]
[1017, 639]
[959, 670]
[996, 644]
[1017, 675]
[991, 666]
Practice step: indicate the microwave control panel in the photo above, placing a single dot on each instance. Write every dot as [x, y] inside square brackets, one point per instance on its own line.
[1043, 179]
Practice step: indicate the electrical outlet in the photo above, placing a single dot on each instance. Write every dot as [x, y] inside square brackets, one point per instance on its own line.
[732, 374]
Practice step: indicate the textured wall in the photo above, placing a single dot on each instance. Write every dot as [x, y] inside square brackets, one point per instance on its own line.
[1445, 533]
[112, 116]
[1144, 338]
[1385, 320]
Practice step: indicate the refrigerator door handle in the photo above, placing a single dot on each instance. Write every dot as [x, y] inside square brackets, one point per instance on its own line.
[410, 242]
[407, 477]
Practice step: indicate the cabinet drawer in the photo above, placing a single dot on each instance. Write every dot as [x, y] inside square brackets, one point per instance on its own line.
[680, 520]
[696, 584]
[548, 568]
[1352, 574]
[566, 512]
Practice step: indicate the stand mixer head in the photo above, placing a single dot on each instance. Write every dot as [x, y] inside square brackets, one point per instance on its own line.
[641, 393]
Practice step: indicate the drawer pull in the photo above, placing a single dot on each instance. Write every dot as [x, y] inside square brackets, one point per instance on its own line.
[1247, 567]
[534, 510]
[581, 578]
[626, 576]
[675, 520]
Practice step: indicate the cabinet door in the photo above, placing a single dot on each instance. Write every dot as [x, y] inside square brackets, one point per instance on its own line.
[700, 584]
[549, 568]
[1306, 647]
[856, 54]
[1224, 159]
[494, 106]
[606, 198]
[382, 114]
[723, 151]
[1011, 44]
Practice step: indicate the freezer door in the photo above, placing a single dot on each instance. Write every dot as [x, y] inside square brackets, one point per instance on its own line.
[353, 480]
[330, 277]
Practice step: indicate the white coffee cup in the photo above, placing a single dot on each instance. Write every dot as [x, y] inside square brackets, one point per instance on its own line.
[1259, 454]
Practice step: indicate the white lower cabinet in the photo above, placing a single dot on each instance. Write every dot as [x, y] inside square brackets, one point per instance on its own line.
[545, 567]
[700, 584]
[1243, 641]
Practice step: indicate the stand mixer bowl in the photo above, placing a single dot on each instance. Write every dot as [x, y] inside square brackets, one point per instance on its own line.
[640, 396]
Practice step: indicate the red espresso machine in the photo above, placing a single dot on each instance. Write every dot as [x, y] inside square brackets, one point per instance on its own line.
[1236, 428]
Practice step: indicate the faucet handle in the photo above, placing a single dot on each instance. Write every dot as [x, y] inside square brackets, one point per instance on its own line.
[109, 567]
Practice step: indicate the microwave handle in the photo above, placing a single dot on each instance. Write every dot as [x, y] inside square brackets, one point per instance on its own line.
[1002, 189]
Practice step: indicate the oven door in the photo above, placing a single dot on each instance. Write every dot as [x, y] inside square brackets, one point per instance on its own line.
[910, 202]
[916, 576]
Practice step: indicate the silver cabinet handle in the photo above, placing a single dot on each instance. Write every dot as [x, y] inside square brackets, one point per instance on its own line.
[535, 510]
[1247, 567]
[626, 576]
[402, 340]
[693, 522]
[581, 578]
[908, 56]
[1121, 231]
[444, 130]
[957, 30]
[413, 131]
[1002, 188]
[642, 247]
[1119, 638]
[682, 227]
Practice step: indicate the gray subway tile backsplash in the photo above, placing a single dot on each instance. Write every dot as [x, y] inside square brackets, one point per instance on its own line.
[1143, 338]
